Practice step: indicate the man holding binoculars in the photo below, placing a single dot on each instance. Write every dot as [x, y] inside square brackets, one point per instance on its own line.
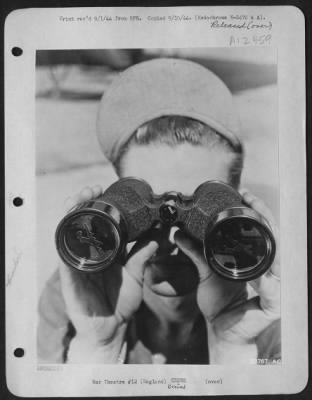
[155, 269]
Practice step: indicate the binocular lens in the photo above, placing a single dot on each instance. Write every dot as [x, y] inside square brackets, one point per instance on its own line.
[88, 241]
[240, 248]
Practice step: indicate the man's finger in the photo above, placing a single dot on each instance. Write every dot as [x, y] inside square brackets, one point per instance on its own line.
[97, 190]
[136, 263]
[71, 286]
[194, 252]
[70, 203]
[243, 322]
[85, 194]
[268, 289]
[67, 274]
[214, 293]
[258, 205]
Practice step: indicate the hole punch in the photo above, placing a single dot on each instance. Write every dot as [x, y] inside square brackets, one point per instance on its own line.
[19, 352]
[17, 51]
[18, 201]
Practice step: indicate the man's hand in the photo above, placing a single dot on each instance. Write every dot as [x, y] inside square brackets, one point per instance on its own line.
[233, 320]
[101, 304]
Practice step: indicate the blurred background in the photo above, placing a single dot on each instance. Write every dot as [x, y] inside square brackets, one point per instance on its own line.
[69, 85]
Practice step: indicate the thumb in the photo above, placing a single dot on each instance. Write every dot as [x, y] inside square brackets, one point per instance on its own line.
[195, 253]
[72, 287]
[139, 255]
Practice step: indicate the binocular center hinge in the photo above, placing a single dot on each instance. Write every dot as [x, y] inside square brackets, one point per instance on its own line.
[168, 212]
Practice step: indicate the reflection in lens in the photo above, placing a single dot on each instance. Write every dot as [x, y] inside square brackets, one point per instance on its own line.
[91, 237]
[238, 245]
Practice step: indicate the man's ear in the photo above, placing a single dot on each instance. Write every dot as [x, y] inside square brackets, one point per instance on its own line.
[117, 169]
[235, 170]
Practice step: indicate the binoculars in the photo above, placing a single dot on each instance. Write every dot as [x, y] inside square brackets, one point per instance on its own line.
[238, 242]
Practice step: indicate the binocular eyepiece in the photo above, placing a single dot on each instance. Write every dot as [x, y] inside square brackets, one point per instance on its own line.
[238, 241]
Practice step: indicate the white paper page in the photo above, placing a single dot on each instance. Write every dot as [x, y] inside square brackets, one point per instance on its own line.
[70, 57]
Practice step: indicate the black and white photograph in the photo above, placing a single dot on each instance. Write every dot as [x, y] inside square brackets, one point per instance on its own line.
[169, 250]
[154, 184]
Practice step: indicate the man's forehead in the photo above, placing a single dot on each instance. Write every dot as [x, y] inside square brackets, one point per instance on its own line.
[181, 168]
